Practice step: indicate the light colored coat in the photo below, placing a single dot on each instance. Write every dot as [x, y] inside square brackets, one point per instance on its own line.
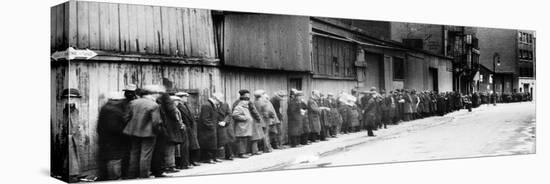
[243, 121]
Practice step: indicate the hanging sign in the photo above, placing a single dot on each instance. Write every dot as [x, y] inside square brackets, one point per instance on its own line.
[72, 53]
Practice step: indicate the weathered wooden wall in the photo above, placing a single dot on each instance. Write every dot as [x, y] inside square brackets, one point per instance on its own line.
[141, 29]
[267, 41]
[59, 27]
[58, 82]
[333, 86]
[95, 80]
[270, 81]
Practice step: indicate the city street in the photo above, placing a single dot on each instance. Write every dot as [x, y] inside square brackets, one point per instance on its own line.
[504, 129]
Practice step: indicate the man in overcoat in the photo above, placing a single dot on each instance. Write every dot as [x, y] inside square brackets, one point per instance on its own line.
[225, 131]
[171, 136]
[314, 116]
[143, 119]
[256, 129]
[243, 122]
[189, 149]
[207, 129]
[295, 112]
[113, 144]
[335, 119]
[408, 105]
[369, 112]
[267, 113]
[386, 108]
[69, 164]
[276, 132]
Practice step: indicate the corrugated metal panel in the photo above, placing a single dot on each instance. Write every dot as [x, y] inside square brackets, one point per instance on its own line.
[142, 29]
[267, 41]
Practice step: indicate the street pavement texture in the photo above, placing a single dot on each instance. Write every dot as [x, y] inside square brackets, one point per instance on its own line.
[505, 129]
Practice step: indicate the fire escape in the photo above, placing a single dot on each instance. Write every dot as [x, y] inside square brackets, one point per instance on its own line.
[464, 49]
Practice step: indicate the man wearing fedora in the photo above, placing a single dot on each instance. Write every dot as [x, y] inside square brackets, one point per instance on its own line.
[207, 128]
[369, 105]
[189, 149]
[295, 112]
[69, 165]
[130, 92]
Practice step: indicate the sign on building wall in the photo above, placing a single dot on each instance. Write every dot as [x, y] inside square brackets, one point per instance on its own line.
[397, 84]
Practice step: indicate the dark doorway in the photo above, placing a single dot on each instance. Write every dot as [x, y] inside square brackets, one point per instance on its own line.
[375, 70]
[434, 79]
[295, 83]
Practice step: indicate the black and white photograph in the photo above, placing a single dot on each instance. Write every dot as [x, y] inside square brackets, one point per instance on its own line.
[143, 91]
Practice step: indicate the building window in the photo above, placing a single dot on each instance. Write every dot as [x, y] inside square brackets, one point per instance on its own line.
[333, 57]
[525, 72]
[335, 64]
[414, 43]
[398, 68]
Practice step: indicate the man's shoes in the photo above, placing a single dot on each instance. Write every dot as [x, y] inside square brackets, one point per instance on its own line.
[171, 170]
[242, 156]
[183, 167]
[209, 162]
[229, 158]
[195, 164]
[161, 175]
[216, 160]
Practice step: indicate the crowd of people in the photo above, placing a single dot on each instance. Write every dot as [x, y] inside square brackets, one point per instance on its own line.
[150, 132]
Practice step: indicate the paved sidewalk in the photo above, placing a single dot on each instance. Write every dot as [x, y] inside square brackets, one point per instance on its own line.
[279, 159]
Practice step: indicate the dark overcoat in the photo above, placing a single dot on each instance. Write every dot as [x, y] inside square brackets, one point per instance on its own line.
[369, 112]
[171, 119]
[353, 116]
[295, 118]
[335, 119]
[207, 126]
[276, 102]
[113, 144]
[226, 133]
[188, 119]
[314, 116]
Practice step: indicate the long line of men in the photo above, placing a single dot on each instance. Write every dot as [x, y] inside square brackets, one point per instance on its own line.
[149, 132]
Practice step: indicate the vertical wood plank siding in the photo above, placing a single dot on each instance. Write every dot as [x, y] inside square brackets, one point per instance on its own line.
[59, 26]
[136, 29]
[333, 86]
[235, 80]
[95, 80]
[266, 41]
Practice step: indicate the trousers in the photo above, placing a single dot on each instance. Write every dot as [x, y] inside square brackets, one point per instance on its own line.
[141, 154]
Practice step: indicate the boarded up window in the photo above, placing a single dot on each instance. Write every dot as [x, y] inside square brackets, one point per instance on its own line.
[333, 58]
[398, 69]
